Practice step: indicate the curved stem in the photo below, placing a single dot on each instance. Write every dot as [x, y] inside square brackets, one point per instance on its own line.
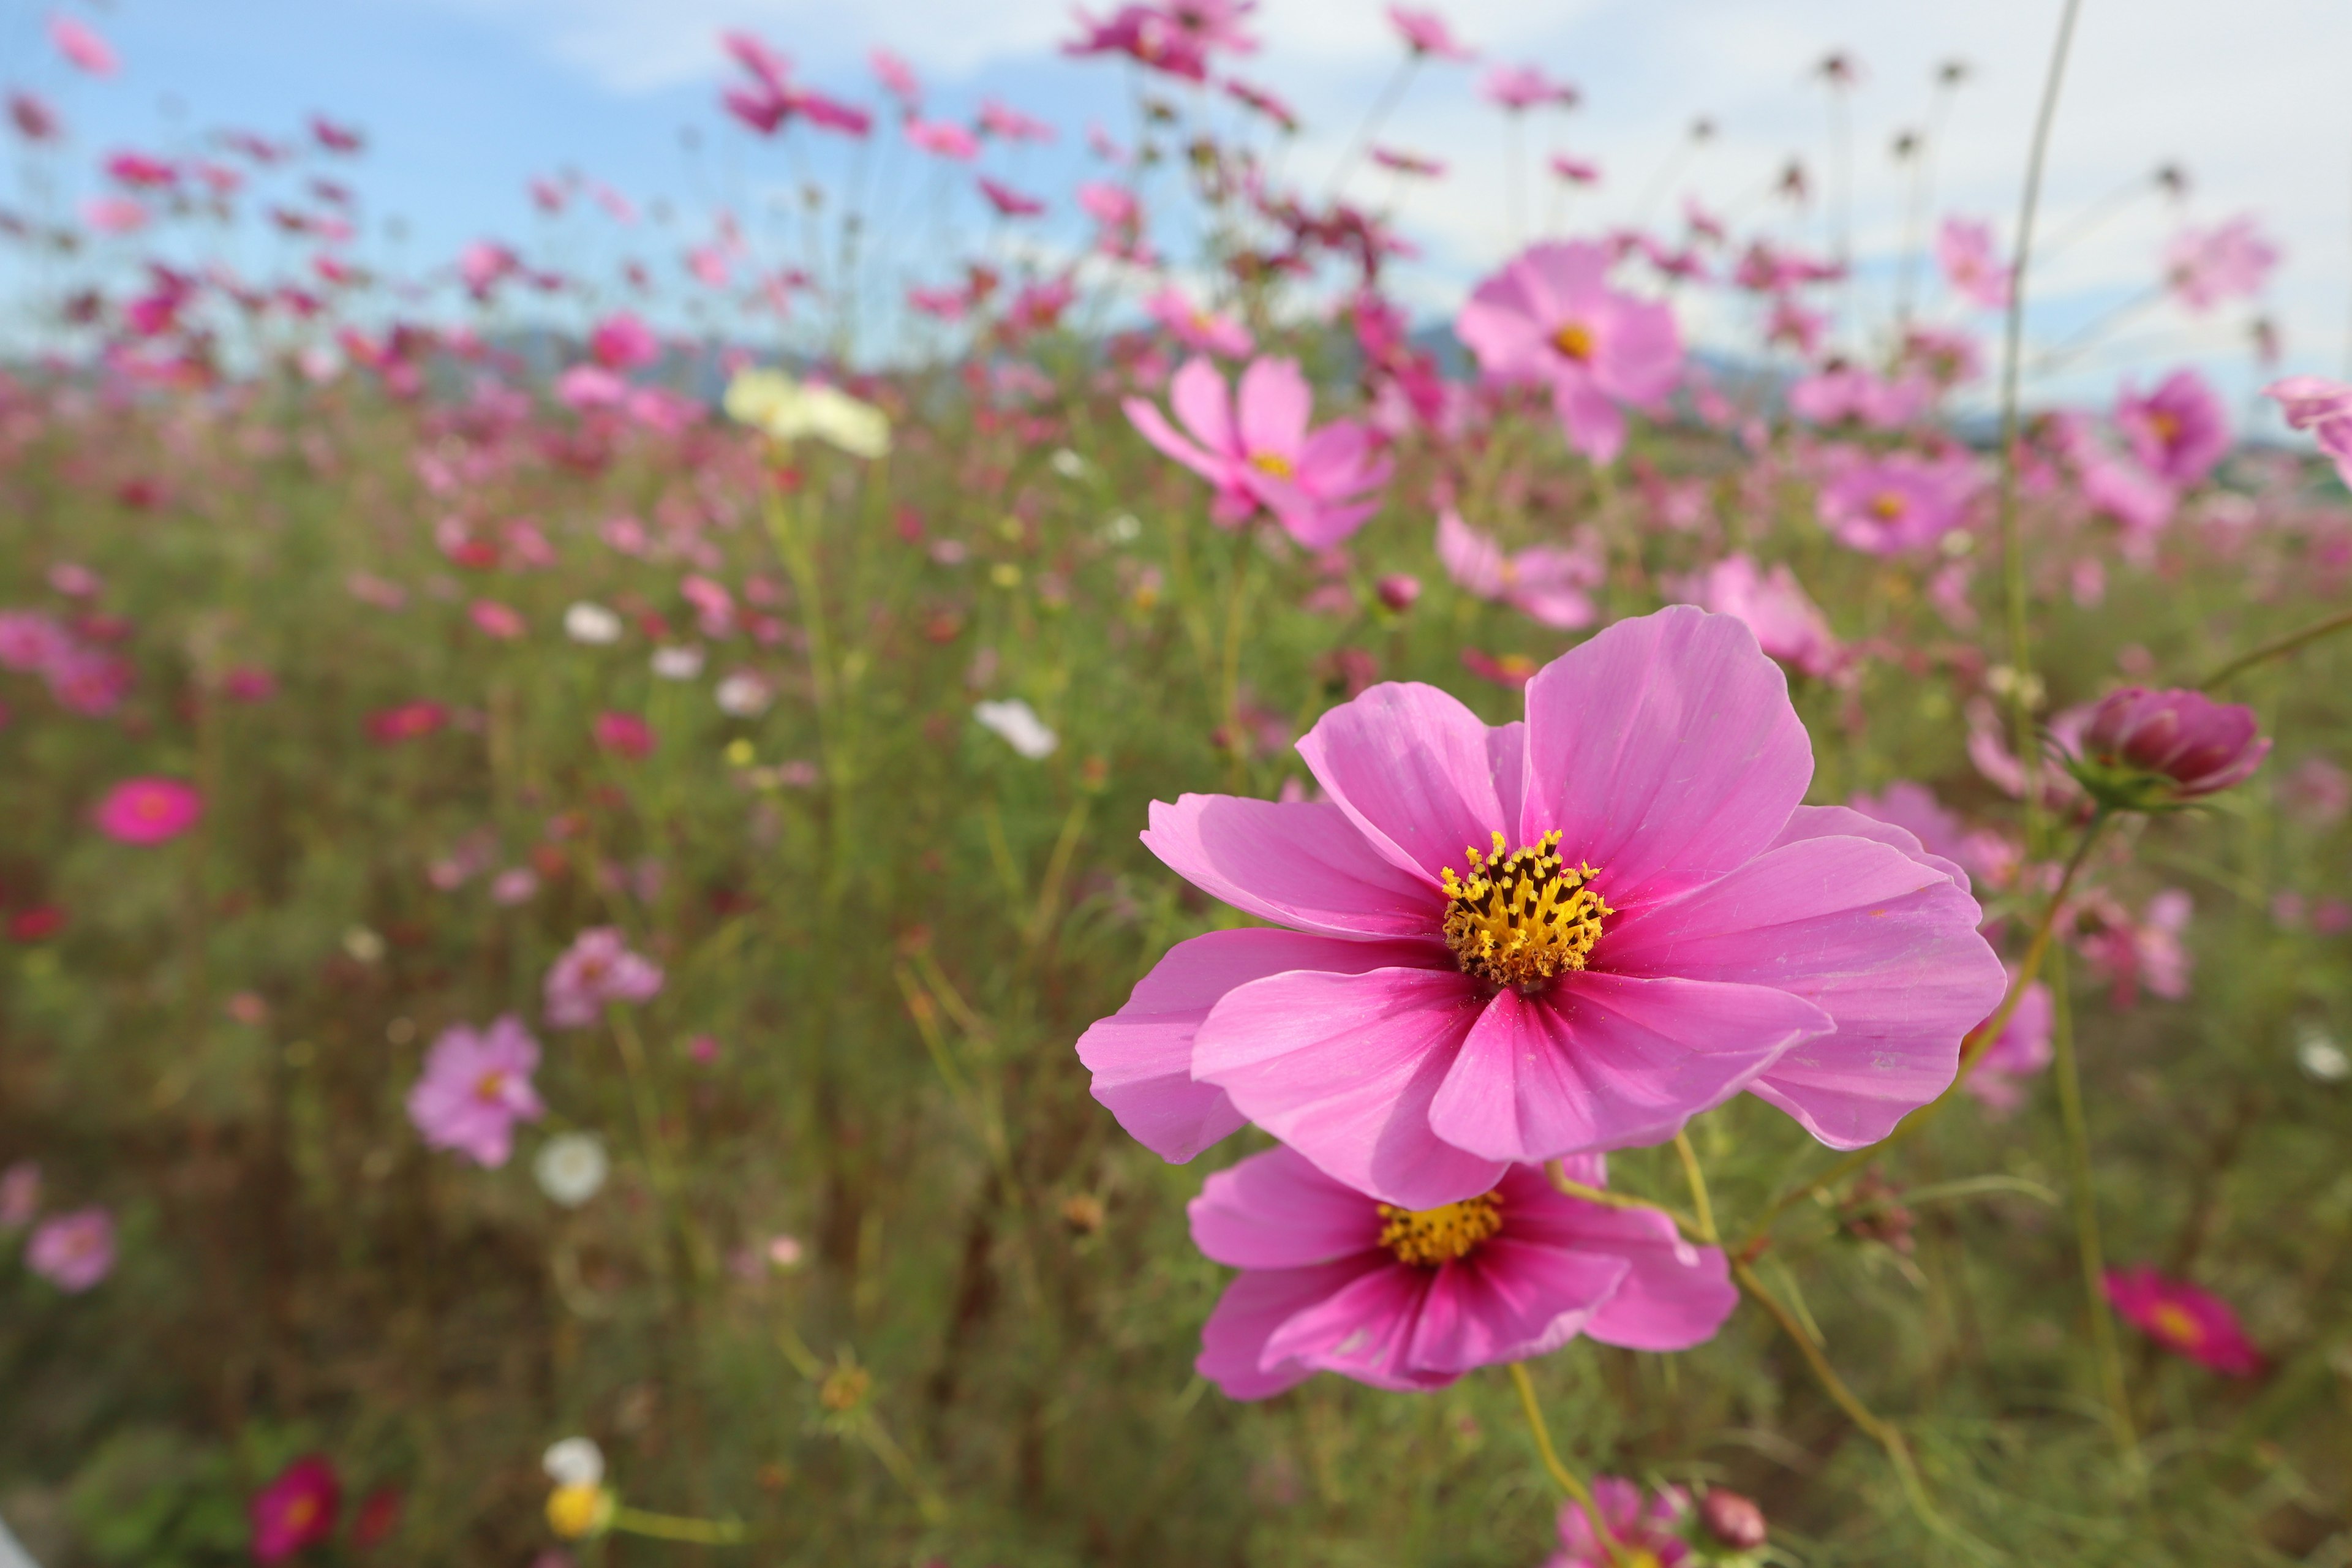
[2277, 648]
[1570, 1482]
[1697, 1180]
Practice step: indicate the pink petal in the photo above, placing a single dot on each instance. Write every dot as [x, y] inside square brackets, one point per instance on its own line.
[1276, 404]
[1609, 1061]
[1234, 1340]
[1844, 822]
[1592, 424]
[1471, 558]
[1302, 863]
[1342, 1068]
[1141, 1056]
[1883, 940]
[1146, 418]
[1415, 770]
[1276, 1210]
[1506, 1301]
[1197, 394]
[1364, 1329]
[1674, 1295]
[1665, 752]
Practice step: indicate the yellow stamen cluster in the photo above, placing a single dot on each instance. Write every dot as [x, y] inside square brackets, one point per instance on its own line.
[1519, 919]
[1428, 1238]
[2176, 1323]
[1274, 464]
[1575, 340]
[1886, 506]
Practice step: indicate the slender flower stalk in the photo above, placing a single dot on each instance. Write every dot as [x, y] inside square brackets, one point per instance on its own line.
[1570, 1481]
[2083, 1196]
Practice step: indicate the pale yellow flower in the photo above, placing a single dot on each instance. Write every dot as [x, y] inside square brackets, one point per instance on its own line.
[788, 410]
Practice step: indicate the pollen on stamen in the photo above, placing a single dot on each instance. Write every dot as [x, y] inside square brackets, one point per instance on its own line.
[1428, 1239]
[1522, 918]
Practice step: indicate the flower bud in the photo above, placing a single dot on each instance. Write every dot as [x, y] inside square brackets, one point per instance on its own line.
[1731, 1519]
[2145, 750]
[1398, 591]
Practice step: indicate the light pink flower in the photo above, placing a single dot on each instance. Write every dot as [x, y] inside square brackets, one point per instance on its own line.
[1641, 1533]
[82, 47]
[2315, 793]
[2322, 406]
[1551, 317]
[2184, 1319]
[1965, 251]
[2021, 1050]
[1694, 931]
[596, 969]
[1198, 328]
[2179, 431]
[1426, 33]
[943, 139]
[2206, 267]
[148, 810]
[1983, 855]
[1786, 623]
[493, 619]
[1900, 502]
[1545, 583]
[476, 1086]
[1844, 392]
[897, 76]
[72, 1251]
[32, 641]
[1517, 88]
[1259, 453]
[1334, 1280]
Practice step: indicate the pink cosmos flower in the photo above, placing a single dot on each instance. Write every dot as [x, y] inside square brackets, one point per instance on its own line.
[1965, 251]
[1007, 124]
[1259, 453]
[2195, 745]
[1900, 502]
[493, 619]
[1549, 317]
[1640, 1532]
[1545, 583]
[596, 969]
[148, 810]
[113, 214]
[296, 1510]
[1008, 202]
[72, 1251]
[1426, 33]
[943, 139]
[2021, 1050]
[1149, 37]
[1844, 392]
[1985, 855]
[897, 76]
[1517, 88]
[1335, 1281]
[1568, 934]
[1575, 171]
[625, 735]
[476, 1086]
[82, 47]
[2315, 793]
[2184, 1319]
[32, 641]
[622, 342]
[406, 722]
[2179, 431]
[1198, 328]
[2206, 267]
[1786, 623]
[2322, 406]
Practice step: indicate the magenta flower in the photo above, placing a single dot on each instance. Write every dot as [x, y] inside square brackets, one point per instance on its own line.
[1568, 934]
[148, 810]
[596, 969]
[1197, 328]
[2184, 1319]
[72, 1251]
[476, 1086]
[2141, 749]
[1145, 35]
[625, 735]
[2179, 431]
[622, 342]
[1008, 202]
[1639, 1533]
[2022, 1050]
[1545, 583]
[1965, 251]
[2207, 267]
[296, 1510]
[1259, 453]
[1426, 35]
[1786, 623]
[2322, 406]
[1335, 1281]
[1551, 317]
[1898, 504]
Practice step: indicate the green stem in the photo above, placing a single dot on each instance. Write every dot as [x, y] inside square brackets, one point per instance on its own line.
[1570, 1481]
[2086, 1217]
[1697, 1180]
[677, 1527]
[2279, 648]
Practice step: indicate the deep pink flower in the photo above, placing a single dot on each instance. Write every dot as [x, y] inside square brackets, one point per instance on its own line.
[82, 47]
[296, 1510]
[1551, 317]
[1259, 453]
[1198, 328]
[625, 735]
[1334, 1280]
[2184, 1319]
[1900, 502]
[2183, 743]
[2021, 1050]
[1971, 266]
[2179, 431]
[1545, 583]
[1640, 1532]
[1145, 35]
[72, 1251]
[148, 810]
[596, 969]
[1426, 33]
[476, 1086]
[1575, 171]
[493, 619]
[406, 722]
[621, 341]
[2206, 267]
[1786, 623]
[1008, 202]
[1694, 931]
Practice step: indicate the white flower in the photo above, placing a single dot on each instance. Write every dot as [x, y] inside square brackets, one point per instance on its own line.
[575, 1462]
[592, 624]
[788, 409]
[570, 1168]
[2320, 1058]
[682, 663]
[1068, 464]
[364, 944]
[785, 1252]
[743, 695]
[1123, 529]
[1020, 727]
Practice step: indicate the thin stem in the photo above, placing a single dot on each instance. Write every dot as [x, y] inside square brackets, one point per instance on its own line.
[1570, 1482]
[1372, 122]
[2277, 648]
[2012, 552]
[1697, 1180]
[677, 1527]
[2086, 1216]
[1556, 1171]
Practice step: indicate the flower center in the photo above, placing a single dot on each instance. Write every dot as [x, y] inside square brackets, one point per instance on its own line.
[1575, 340]
[1429, 1238]
[2167, 425]
[1273, 463]
[1518, 919]
[1886, 506]
[2176, 1323]
[489, 1087]
[302, 1512]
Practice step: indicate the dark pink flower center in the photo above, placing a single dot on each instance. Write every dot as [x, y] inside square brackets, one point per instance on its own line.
[1523, 917]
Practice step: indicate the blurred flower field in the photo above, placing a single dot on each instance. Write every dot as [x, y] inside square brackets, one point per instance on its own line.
[1107, 895]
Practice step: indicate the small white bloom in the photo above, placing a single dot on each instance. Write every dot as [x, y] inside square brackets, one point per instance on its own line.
[743, 695]
[681, 663]
[575, 1462]
[2320, 1058]
[1123, 529]
[1020, 727]
[785, 1252]
[1068, 464]
[364, 944]
[592, 624]
[572, 1167]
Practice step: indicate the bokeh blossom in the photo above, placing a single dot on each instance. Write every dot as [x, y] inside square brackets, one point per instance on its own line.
[296, 1510]
[148, 810]
[1545, 583]
[475, 1087]
[1551, 317]
[597, 969]
[2144, 751]
[72, 1251]
[2184, 1319]
[1637, 1529]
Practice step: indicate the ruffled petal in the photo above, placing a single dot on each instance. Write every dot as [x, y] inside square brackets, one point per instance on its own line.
[1301, 864]
[1508, 1300]
[1414, 770]
[1276, 1210]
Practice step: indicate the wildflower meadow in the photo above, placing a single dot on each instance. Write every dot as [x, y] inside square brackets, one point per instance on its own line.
[1023, 849]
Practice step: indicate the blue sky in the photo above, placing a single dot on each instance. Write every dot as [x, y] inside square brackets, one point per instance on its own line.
[464, 99]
